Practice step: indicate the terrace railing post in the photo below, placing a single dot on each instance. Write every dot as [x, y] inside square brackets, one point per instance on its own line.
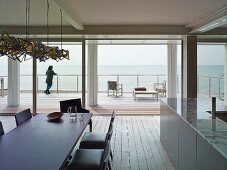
[219, 87]
[2, 83]
[157, 78]
[198, 84]
[77, 84]
[117, 79]
[2, 86]
[209, 86]
[137, 80]
[177, 84]
[57, 83]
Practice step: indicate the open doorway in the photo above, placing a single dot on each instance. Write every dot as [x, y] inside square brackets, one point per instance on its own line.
[132, 64]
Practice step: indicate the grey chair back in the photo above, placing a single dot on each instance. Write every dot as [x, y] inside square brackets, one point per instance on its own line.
[113, 117]
[64, 104]
[110, 129]
[23, 116]
[112, 85]
[105, 156]
[110, 132]
[1, 129]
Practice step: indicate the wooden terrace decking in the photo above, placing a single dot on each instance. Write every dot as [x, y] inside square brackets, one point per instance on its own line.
[122, 105]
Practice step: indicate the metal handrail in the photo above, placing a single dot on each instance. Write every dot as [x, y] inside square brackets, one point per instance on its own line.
[118, 77]
[2, 86]
[219, 79]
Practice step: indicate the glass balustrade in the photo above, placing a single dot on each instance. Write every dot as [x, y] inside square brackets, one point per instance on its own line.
[207, 85]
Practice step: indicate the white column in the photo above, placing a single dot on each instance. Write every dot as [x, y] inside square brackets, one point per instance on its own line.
[172, 71]
[184, 68]
[225, 77]
[92, 80]
[13, 82]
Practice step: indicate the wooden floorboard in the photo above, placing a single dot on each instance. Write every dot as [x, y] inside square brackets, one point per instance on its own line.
[8, 123]
[135, 141]
[50, 103]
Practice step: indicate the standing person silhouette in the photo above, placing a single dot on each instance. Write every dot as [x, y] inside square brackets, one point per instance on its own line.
[49, 80]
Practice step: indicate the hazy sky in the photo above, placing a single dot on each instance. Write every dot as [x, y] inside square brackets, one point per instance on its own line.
[135, 55]
[210, 54]
[155, 54]
[132, 55]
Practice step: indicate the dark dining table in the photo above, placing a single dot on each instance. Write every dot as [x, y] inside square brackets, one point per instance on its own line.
[39, 144]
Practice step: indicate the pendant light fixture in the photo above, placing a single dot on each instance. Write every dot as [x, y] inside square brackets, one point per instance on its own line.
[24, 49]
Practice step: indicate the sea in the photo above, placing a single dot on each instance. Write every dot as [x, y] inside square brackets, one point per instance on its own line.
[130, 76]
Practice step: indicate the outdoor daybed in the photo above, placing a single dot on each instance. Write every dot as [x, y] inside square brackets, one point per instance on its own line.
[142, 92]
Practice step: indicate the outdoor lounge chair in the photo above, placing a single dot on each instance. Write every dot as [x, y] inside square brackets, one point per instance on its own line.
[116, 88]
[160, 88]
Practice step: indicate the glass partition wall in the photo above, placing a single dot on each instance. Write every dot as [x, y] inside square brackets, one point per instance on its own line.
[210, 59]
[130, 63]
[66, 84]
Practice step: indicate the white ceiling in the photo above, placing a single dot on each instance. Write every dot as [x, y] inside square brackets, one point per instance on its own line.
[147, 12]
[109, 12]
[13, 13]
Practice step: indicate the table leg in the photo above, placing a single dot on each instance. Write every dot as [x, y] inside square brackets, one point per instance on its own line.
[90, 125]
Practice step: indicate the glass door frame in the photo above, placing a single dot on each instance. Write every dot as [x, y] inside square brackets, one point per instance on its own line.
[34, 74]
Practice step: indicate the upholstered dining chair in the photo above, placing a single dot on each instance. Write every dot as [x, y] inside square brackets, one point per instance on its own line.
[23, 116]
[64, 104]
[97, 140]
[95, 159]
[1, 129]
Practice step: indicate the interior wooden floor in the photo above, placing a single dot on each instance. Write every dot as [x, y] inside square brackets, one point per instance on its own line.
[122, 105]
[135, 141]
